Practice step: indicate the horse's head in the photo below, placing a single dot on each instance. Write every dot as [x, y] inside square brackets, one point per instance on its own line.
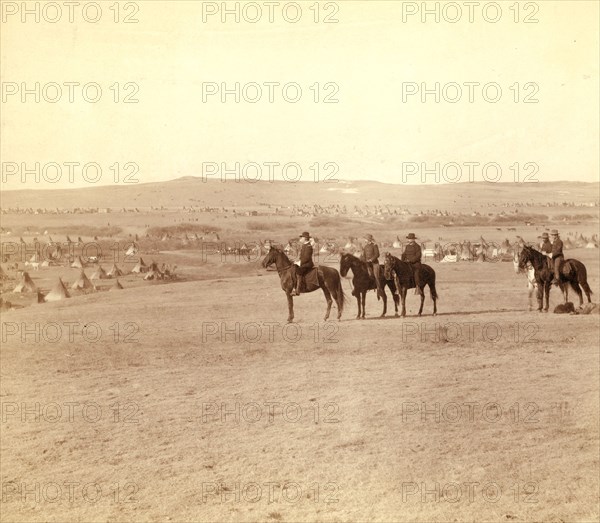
[388, 264]
[524, 257]
[346, 262]
[270, 258]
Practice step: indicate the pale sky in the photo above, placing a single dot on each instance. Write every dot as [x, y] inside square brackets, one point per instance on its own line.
[370, 54]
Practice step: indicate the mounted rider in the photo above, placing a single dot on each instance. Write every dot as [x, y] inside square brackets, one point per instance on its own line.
[305, 263]
[371, 256]
[412, 255]
[556, 256]
[546, 248]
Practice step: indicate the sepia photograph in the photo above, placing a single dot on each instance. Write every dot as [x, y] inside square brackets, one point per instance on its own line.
[301, 261]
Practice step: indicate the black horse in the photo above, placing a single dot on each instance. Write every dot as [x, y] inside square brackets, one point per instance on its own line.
[572, 273]
[404, 279]
[363, 282]
[328, 278]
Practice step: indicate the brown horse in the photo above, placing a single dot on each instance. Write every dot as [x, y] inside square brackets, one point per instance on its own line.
[404, 279]
[362, 283]
[572, 273]
[328, 278]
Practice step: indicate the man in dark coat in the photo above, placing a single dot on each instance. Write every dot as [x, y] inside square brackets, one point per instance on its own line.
[371, 256]
[306, 261]
[556, 255]
[546, 248]
[412, 255]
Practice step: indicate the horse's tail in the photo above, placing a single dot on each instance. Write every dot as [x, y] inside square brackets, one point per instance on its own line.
[582, 277]
[340, 298]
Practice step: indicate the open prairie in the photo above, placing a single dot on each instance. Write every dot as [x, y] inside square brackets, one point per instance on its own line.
[193, 399]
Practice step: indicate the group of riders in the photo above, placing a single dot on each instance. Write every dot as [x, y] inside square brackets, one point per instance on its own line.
[551, 246]
[370, 254]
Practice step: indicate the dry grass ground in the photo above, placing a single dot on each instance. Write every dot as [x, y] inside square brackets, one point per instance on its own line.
[379, 420]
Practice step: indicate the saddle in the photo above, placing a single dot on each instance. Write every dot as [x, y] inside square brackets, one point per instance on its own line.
[310, 281]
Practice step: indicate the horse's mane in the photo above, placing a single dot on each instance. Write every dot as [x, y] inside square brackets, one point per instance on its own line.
[281, 252]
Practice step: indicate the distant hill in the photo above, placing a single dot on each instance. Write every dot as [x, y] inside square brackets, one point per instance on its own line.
[193, 191]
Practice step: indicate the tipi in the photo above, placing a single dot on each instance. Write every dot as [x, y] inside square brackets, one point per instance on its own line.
[99, 274]
[140, 267]
[78, 263]
[26, 284]
[83, 282]
[115, 272]
[58, 292]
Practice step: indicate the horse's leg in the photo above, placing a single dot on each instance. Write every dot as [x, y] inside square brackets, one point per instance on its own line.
[358, 303]
[384, 297]
[364, 299]
[422, 293]
[329, 300]
[547, 289]
[565, 291]
[577, 289]
[290, 300]
[433, 293]
[395, 297]
[403, 291]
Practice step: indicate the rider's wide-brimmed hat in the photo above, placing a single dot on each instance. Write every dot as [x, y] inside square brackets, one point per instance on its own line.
[369, 237]
[305, 235]
[544, 236]
[411, 236]
[554, 232]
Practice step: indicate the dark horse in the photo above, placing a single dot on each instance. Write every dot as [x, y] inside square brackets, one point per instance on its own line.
[328, 278]
[362, 283]
[404, 280]
[572, 273]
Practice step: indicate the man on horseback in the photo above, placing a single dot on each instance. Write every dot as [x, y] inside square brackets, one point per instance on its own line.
[371, 256]
[305, 263]
[556, 255]
[412, 255]
[546, 248]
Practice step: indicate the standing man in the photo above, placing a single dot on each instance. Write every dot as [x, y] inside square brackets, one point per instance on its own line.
[371, 255]
[556, 255]
[412, 255]
[305, 263]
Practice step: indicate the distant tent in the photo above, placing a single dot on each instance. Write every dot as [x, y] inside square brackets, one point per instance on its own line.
[3, 275]
[115, 272]
[26, 284]
[450, 258]
[116, 286]
[83, 282]
[591, 245]
[58, 292]
[79, 239]
[140, 267]
[69, 239]
[154, 273]
[99, 274]
[78, 263]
